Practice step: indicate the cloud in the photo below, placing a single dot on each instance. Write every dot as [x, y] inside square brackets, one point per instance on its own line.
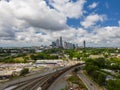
[29, 22]
[32, 13]
[100, 36]
[21, 19]
[38, 14]
[18, 16]
[69, 8]
[119, 22]
[92, 19]
[93, 5]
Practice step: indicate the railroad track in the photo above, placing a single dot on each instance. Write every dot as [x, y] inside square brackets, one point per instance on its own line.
[33, 84]
[43, 81]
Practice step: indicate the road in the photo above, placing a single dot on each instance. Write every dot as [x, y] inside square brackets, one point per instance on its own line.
[89, 84]
[34, 83]
[43, 81]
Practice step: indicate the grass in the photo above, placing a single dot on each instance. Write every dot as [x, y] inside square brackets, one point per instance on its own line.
[63, 89]
[19, 59]
[76, 80]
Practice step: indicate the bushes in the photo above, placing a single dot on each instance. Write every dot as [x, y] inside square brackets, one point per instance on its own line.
[74, 79]
[92, 67]
[43, 56]
[113, 85]
[76, 70]
[24, 71]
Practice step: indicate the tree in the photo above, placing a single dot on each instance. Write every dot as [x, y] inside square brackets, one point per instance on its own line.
[113, 85]
[91, 68]
[24, 71]
[100, 62]
[101, 79]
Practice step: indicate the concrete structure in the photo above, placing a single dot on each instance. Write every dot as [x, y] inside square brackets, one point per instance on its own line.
[7, 70]
[96, 56]
[49, 63]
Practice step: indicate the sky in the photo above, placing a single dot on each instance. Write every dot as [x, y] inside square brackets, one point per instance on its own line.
[39, 22]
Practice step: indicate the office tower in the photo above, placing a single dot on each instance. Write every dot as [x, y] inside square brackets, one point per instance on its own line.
[84, 44]
[65, 45]
[57, 43]
[61, 43]
[53, 44]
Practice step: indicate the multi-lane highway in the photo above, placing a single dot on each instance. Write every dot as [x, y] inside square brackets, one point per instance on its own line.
[38, 82]
[89, 84]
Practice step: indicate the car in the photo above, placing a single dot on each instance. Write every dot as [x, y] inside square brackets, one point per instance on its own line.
[91, 84]
[71, 88]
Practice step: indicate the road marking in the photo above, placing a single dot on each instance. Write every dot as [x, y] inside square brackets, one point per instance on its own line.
[10, 88]
[39, 88]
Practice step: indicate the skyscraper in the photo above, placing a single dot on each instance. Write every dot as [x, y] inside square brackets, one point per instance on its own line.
[84, 44]
[58, 43]
[61, 43]
[53, 44]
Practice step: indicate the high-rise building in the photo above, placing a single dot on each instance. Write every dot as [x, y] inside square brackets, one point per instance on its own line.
[84, 44]
[53, 44]
[61, 42]
[57, 43]
[65, 45]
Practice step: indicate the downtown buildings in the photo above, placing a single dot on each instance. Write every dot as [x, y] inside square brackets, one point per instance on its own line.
[59, 43]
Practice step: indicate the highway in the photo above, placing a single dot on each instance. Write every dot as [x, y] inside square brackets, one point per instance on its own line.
[89, 84]
[43, 82]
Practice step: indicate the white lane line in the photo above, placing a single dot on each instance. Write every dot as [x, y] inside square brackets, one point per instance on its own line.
[10, 88]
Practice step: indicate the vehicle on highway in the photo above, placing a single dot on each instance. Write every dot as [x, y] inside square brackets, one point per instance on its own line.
[91, 84]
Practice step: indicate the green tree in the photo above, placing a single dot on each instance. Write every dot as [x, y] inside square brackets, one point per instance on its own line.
[101, 79]
[113, 85]
[24, 71]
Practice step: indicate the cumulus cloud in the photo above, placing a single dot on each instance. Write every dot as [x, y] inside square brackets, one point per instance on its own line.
[92, 19]
[69, 8]
[93, 5]
[32, 13]
[100, 36]
[17, 16]
[38, 14]
[26, 21]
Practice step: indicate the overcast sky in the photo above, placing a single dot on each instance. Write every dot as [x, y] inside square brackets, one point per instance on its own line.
[39, 22]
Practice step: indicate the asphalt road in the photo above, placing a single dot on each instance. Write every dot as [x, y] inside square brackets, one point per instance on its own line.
[35, 81]
[89, 84]
[61, 82]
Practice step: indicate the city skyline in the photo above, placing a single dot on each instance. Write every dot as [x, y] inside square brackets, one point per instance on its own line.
[39, 22]
[60, 43]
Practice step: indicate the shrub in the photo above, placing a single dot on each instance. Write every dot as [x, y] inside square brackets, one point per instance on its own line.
[24, 71]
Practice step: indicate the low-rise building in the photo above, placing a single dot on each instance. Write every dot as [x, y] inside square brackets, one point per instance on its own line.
[48, 63]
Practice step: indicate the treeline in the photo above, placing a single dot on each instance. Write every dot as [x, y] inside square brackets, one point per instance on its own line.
[93, 68]
[13, 60]
[43, 56]
[113, 85]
